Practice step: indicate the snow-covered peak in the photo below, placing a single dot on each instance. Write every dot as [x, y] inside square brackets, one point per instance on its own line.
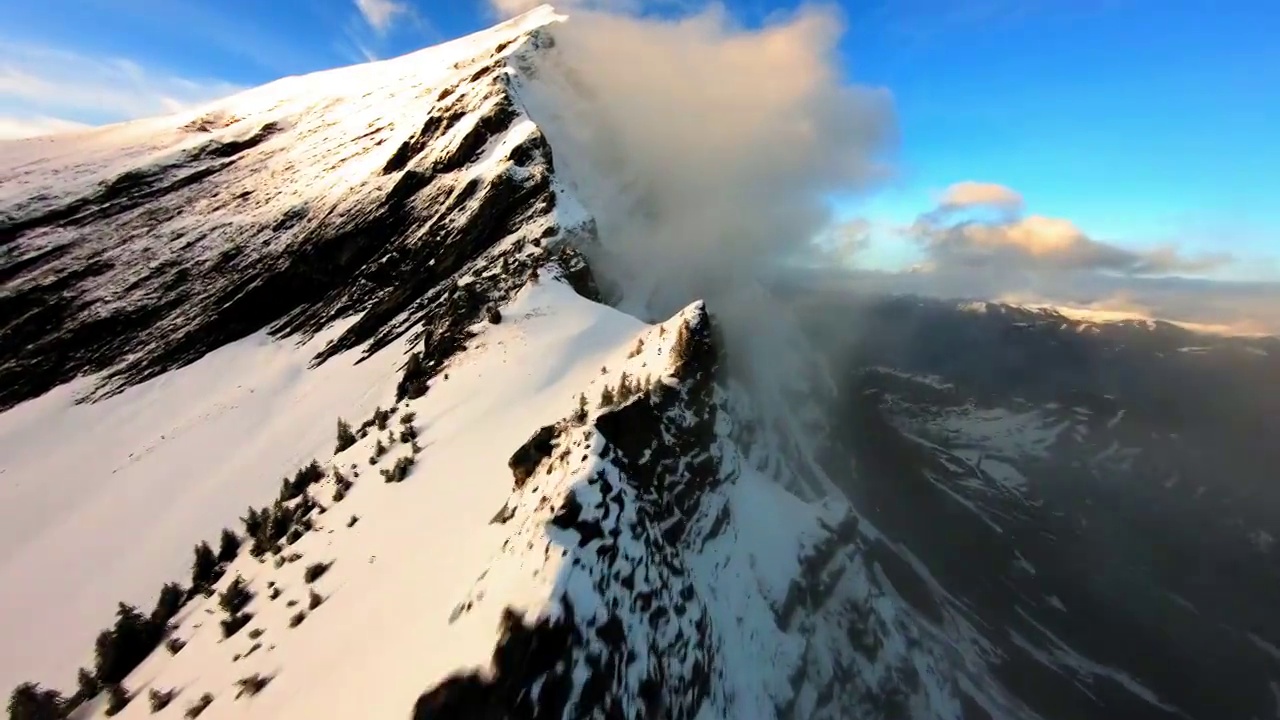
[533, 504]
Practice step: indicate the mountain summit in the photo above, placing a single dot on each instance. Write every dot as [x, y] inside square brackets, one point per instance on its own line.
[502, 495]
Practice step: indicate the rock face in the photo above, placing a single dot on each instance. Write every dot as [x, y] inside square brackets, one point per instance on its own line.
[614, 498]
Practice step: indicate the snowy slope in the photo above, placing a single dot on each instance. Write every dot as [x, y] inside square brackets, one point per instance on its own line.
[258, 240]
[111, 496]
[581, 514]
[384, 632]
[652, 560]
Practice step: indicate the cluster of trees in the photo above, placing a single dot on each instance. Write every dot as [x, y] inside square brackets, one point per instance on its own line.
[117, 651]
[135, 635]
[628, 387]
[413, 383]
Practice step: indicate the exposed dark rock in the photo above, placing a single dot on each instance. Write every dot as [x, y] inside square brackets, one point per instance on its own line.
[504, 515]
[666, 452]
[526, 656]
[525, 460]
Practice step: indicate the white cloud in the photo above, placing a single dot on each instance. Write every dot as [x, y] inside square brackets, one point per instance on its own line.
[511, 8]
[380, 13]
[62, 86]
[969, 194]
[13, 128]
[709, 150]
[953, 238]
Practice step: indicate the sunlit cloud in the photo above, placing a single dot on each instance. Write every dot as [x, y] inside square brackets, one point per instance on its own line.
[971, 194]
[952, 237]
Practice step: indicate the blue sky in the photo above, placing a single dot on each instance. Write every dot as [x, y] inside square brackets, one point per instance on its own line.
[1142, 122]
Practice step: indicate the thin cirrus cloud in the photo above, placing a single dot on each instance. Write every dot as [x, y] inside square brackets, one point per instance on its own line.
[381, 13]
[13, 128]
[51, 89]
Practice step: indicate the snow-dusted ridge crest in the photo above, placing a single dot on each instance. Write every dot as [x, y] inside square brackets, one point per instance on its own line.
[568, 513]
[134, 249]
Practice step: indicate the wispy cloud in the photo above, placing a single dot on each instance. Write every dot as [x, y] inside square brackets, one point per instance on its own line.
[381, 13]
[64, 86]
[509, 8]
[13, 128]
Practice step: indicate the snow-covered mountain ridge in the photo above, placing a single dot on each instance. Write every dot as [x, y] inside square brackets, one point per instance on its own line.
[567, 511]
[137, 248]
[401, 205]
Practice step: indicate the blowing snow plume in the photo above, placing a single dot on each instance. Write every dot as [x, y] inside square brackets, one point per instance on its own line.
[705, 152]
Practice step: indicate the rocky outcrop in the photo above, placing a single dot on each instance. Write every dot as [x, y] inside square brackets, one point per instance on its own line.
[608, 499]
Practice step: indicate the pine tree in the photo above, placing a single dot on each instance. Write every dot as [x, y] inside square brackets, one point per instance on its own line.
[346, 438]
[235, 597]
[167, 605]
[117, 699]
[119, 650]
[253, 522]
[30, 701]
[606, 397]
[204, 567]
[87, 685]
[228, 546]
[413, 384]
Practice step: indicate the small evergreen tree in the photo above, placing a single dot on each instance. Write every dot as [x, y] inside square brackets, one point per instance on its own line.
[199, 706]
[315, 571]
[251, 685]
[121, 649]
[305, 477]
[233, 624]
[346, 438]
[160, 699]
[228, 546]
[253, 521]
[408, 433]
[606, 397]
[413, 383]
[204, 567]
[117, 698]
[624, 388]
[87, 685]
[399, 471]
[30, 701]
[235, 597]
[168, 604]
